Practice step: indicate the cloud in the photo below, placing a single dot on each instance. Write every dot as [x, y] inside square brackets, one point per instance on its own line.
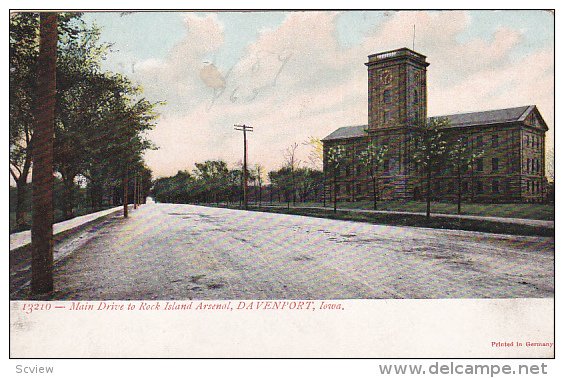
[296, 81]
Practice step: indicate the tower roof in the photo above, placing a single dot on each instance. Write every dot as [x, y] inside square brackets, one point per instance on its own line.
[396, 55]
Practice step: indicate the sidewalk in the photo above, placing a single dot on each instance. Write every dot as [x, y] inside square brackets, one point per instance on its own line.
[518, 221]
[23, 238]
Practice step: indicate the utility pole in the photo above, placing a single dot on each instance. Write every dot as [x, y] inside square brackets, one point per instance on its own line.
[42, 176]
[244, 129]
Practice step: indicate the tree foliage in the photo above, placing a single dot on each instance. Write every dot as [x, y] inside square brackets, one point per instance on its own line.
[101, 118]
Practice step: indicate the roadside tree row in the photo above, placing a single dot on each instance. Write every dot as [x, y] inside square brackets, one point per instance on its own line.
[101, 118]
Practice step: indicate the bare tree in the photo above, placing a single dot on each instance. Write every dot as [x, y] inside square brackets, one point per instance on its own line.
[315, 155]
[258, 174]
[550, 165]
[372, 158]
[335, 157]
[292, 162]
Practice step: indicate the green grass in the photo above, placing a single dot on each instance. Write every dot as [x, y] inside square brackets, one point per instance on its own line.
[504, 210]
[416, 221]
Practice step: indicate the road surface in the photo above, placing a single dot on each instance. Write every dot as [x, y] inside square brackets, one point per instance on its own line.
[167, 251]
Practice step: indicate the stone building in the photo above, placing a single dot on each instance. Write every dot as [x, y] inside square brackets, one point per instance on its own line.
[511, 142]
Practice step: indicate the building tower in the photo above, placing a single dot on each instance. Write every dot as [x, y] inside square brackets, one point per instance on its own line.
[397, 102]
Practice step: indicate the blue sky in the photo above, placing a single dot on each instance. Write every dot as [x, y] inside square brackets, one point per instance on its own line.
[153, 34]
[300, 74]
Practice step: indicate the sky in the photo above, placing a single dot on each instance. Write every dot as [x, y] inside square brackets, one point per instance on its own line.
[296, 75]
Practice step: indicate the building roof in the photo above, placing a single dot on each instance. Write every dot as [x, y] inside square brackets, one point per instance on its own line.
[488, 117]
[347, 132]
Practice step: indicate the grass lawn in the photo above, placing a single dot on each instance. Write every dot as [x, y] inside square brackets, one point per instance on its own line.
[504, 210]
[412, 220]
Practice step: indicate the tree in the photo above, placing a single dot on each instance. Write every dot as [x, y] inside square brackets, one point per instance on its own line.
[292, 162]
[42, 223]
[461, 158]
[335, 156]
[431, 152]
[213, 177]
[372, 158]
[315, 155]
[550, 165]
[258, 175]
[24, 52]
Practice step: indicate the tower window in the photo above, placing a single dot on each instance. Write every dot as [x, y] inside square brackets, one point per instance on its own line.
[480, 165]
[386, 116]
[387, 96]
[495, 186]
[495, 164]
[415, 96]
[495, 141]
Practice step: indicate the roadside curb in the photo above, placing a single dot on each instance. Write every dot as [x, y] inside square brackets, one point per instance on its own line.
[22, 239]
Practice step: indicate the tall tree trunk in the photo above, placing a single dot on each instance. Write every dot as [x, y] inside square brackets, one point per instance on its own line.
[374, 193]
[428, 214]
[68, 200]
[42, 176]
[459, 205]
[335, 191]
[125, 193]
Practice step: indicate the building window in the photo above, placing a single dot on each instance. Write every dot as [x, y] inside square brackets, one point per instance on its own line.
[387, 96]
[464, 141]
[386, 116]
[495, 141]
[495, 164]
[528, 186]
[415, 97]
[480, 165]
[495, 186]
[528, 165]
[527, 140]
[479, 187]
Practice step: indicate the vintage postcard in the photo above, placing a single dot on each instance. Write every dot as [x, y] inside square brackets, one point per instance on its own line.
[282, 183]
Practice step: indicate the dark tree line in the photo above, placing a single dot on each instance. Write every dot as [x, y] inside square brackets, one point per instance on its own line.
[213, 182]
[101, 119]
